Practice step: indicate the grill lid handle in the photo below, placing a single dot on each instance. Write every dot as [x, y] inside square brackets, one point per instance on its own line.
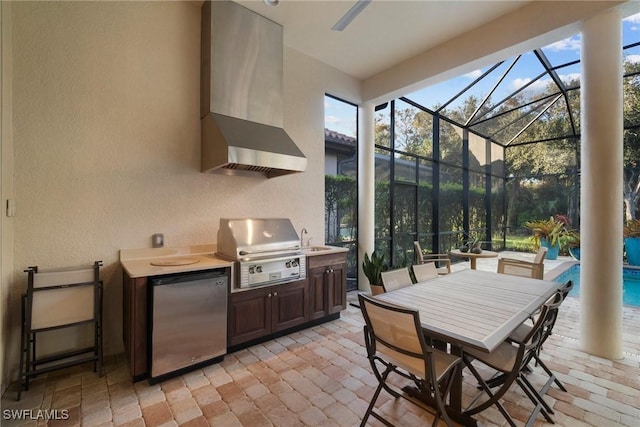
[244, 252]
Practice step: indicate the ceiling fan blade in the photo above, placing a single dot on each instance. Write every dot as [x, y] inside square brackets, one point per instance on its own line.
[350, 15]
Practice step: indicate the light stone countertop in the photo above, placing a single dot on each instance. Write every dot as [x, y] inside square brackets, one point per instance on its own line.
[316, 250]
[137, 262]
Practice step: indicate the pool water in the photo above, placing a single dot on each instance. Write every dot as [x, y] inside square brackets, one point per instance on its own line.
[630, 284]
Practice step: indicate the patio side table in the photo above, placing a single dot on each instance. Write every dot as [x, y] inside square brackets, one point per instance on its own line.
[473, 257]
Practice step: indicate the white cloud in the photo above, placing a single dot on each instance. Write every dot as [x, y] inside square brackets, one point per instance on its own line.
[633, 18]
[571, 43]
[332, 119]
[568, 78]
[474, 74]
[541, 85]
[518, 83]
[340, 125]
[634, 59]
[537, 86]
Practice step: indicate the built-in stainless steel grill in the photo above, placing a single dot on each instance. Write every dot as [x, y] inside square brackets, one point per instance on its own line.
[267, 251]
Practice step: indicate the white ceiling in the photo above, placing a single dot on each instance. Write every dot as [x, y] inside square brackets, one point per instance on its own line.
[385, 33]
[398, 46]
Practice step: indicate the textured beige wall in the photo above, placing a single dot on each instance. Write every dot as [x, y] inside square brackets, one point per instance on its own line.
[107, 141]
[6, 186]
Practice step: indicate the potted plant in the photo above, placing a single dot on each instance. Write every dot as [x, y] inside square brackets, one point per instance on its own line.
[473, 245]
[548, 233]
[631, 234]
[373, 267]
[572, 242]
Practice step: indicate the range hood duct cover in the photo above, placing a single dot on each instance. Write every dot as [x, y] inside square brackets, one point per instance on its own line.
[241, 95]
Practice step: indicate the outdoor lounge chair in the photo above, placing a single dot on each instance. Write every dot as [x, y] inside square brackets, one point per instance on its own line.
[518, 267]
[395, 343]
[510, 360]
[395, 279]
[424, 272]
[442, 261]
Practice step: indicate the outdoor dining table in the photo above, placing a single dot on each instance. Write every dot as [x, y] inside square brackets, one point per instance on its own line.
[472, 308]
[473, 257]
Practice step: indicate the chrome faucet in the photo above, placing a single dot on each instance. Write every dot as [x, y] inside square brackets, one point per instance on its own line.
[302, 233]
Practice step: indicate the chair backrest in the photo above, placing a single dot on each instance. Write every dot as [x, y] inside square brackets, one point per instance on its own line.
[562, 294]
[424, 272]
[565, 289]
[62, 297]
[418, 252]
[395, 279]
[539, 258]
[513, 365]
[518, 267]
[395, 333]
[543, 326]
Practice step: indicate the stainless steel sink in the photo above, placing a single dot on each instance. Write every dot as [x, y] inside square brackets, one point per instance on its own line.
[316, 248]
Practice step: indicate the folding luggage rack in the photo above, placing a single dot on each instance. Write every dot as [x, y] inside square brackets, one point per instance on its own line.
[57, 299]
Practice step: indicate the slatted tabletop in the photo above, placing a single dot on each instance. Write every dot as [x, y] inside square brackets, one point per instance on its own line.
[471, 307]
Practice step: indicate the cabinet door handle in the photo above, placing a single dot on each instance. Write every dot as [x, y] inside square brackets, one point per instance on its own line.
[275, 294]
[269, 296]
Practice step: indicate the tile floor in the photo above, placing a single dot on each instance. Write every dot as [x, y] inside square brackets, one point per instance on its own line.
[321, 377]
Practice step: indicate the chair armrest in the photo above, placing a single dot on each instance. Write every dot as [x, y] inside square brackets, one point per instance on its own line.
[514, 261]
[511, 259]
[438, 258]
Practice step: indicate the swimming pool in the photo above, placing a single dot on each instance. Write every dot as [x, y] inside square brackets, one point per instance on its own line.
[630, 284]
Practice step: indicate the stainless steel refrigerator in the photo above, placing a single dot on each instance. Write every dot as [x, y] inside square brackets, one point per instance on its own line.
[188, 320]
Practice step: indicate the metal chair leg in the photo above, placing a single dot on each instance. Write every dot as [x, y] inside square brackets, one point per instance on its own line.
[23, 348]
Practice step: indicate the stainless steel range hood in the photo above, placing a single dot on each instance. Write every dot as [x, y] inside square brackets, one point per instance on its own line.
[241, 94]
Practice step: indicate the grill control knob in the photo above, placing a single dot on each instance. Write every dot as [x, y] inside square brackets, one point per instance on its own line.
[294, 262]
[252, 270]
[259, 269]
[288, 264]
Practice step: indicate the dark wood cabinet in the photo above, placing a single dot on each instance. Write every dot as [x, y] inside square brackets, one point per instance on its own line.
[337, 288]
[318, 296]
[134, 324]
[290, 305]
[253, 315]
[327, 284]
[256, 313]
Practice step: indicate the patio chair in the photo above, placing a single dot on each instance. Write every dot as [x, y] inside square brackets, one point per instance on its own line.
[395, 279]
[518, 267]
[395, 343]
[376, 289]
[424, 272]
[523, 330]
[442, 261]
[57, 300]
[510, 360]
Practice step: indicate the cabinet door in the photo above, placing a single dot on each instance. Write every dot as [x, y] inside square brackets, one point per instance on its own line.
[290, 304]
[134, 323]
[318, 294]
[337, 288]
[249, 315]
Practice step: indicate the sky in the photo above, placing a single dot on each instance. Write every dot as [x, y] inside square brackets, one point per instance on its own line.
[342, 117]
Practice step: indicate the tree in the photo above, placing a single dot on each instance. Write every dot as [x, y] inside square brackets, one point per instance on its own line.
[340, 203]
[631, 156]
